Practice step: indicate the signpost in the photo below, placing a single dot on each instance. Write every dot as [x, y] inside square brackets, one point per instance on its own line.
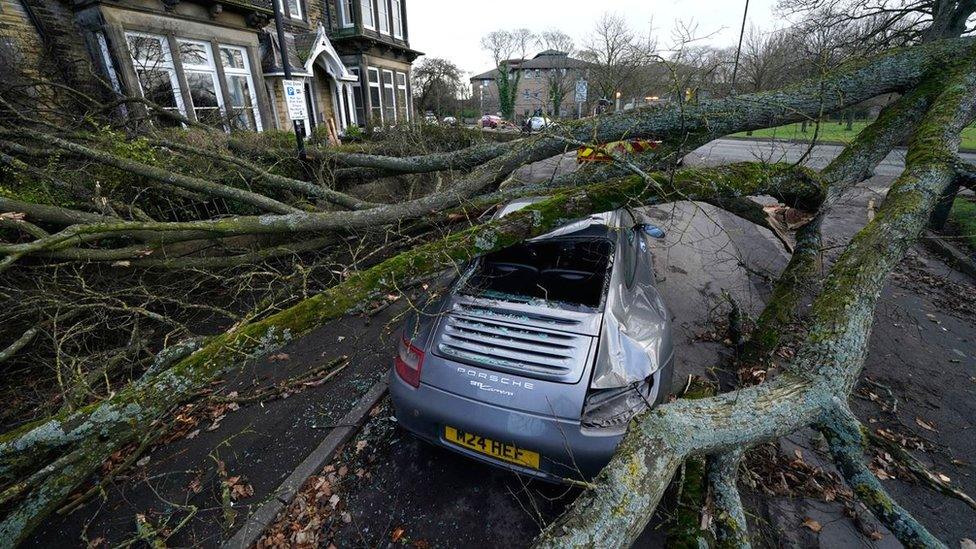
[295, 86]
[581, 86]
[295, 99]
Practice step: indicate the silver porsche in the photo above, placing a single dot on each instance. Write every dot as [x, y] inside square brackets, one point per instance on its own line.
[537, 356]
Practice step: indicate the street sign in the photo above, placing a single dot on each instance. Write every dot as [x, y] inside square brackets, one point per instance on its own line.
[295, 99]
[581, 91]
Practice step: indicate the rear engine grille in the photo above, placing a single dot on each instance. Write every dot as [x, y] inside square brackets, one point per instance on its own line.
[521, 350]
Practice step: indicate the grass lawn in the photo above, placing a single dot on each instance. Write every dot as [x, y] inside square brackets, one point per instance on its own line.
[963, 217]
[834, 131]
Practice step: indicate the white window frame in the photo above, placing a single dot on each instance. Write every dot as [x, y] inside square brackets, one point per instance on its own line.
[392, 87]
[406, 96]
[166, 64]
[210, 68]
[246, 71]
[396, 8]
[345, 13]
[379, 86]
[372, 14]
[383, 16]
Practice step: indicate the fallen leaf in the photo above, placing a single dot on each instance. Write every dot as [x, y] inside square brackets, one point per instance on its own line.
[925, 424]
[360, 445]
[396, 534]
[812, 524]
[876, 535]
[944, 478]
[346, 517]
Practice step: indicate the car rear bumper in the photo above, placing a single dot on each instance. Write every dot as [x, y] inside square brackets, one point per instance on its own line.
[567, 450]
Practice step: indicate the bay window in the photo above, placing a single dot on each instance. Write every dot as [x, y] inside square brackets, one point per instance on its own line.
[243, 109]
[375, 102]
[156, 74]
[389, 103]
[201, 80]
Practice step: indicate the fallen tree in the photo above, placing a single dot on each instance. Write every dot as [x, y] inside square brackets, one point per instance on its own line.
[43, 462]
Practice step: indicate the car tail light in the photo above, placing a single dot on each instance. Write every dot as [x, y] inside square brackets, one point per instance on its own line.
[409, 361]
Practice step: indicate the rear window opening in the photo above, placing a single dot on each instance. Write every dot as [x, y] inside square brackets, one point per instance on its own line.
[567, 271]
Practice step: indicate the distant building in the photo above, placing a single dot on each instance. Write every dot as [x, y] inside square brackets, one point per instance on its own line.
[219, 61]
[547, 85]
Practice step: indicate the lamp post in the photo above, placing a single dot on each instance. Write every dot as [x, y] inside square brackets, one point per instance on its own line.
[618, 101]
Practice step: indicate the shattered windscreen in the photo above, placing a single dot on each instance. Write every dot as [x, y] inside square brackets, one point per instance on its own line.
[570, 271]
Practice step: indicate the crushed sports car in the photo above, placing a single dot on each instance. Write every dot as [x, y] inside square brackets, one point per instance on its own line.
[537, 356]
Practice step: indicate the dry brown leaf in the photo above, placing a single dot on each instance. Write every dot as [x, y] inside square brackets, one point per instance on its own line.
[397, 534]
[925, 424]
[812, 524]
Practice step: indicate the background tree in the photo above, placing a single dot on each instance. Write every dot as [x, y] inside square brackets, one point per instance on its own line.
[507, 49]
[437, 85]
[620, 57]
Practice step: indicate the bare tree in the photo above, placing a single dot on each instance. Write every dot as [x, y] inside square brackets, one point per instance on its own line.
[620, 57]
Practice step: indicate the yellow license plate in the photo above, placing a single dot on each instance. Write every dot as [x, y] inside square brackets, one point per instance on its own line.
[498, 450]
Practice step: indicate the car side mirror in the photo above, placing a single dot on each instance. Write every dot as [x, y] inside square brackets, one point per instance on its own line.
[652, 230]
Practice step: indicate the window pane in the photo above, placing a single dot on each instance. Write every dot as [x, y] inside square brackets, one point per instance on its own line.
[193, 53]
[367, 8]
[384, 15]
[376, 110]
[295, 9]
[346, 15]
[146, 49]
[232, 58]
[157, 87]
[401, 79]
[397, 18]
[388, 104]
[242, 110]
[374, 77]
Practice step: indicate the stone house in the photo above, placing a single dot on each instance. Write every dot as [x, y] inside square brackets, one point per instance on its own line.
[547, 85]
[219, 61]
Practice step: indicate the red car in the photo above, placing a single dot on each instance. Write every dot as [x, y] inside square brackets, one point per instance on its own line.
[490, 121]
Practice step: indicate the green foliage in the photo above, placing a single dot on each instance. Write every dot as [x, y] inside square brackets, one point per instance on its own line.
[963, 219]
[507, 82]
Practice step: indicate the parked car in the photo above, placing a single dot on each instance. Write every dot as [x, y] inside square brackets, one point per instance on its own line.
[490, 121]
[430, 118]
[538, 355]
[538, 123]
[449, 121]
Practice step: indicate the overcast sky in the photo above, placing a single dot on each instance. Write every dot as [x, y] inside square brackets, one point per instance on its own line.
[453, 29]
